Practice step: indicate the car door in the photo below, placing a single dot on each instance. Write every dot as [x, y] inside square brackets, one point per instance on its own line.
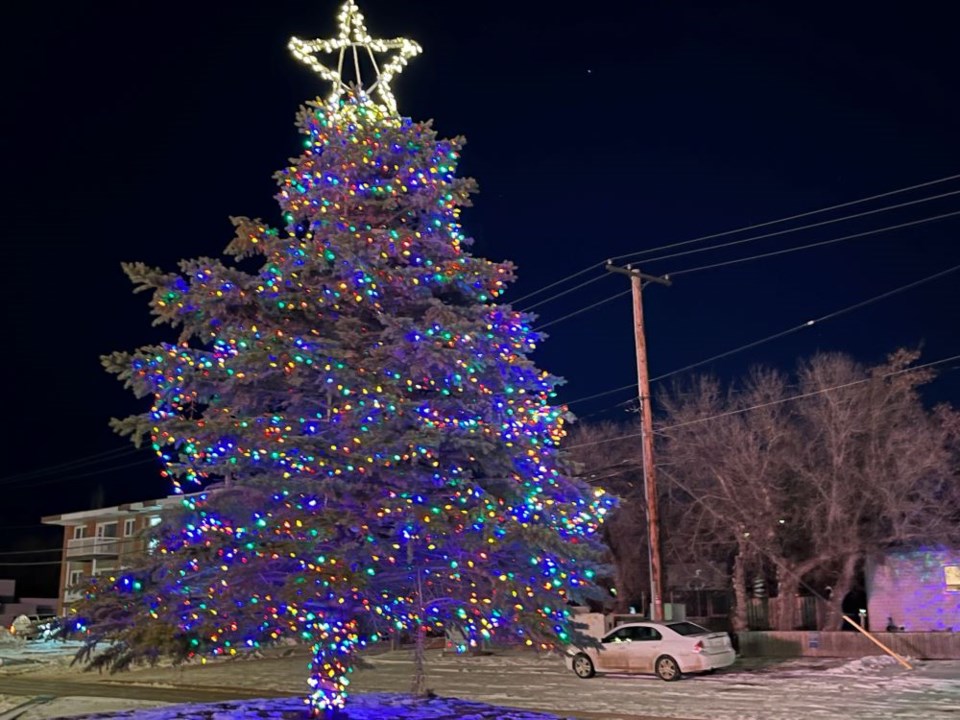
[614, 655]
[645, 646]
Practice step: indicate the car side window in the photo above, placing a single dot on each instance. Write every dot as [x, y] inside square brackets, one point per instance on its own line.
[646, 633]
[619, 636]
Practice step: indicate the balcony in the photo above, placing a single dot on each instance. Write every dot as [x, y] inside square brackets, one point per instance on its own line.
[93, 548]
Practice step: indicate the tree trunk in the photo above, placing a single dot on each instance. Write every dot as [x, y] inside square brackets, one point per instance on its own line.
[418, 687]
[738, 620]
[842, 586]
[786, 604]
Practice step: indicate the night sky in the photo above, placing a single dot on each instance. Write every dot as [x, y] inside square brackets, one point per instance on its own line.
[133, 132]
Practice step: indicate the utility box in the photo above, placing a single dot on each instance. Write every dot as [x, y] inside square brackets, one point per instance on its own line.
[674, 612]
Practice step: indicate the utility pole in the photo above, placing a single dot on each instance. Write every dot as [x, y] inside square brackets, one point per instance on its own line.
[646, 434]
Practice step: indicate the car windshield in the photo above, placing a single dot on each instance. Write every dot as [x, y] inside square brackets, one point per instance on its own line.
[687, 628]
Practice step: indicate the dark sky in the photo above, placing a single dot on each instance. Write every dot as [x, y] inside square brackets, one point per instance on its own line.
[133, 132]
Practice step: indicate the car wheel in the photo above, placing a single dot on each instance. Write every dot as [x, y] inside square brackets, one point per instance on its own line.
[583, 667]
[667, 668]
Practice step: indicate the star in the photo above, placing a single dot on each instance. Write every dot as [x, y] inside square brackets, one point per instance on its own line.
[354, 37]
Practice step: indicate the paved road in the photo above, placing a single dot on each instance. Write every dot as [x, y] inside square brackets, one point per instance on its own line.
[30, 687]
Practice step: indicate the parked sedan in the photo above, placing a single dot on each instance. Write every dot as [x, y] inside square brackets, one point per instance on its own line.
[667, 649]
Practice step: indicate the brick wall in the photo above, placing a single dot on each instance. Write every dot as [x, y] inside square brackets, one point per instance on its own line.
[910, 587]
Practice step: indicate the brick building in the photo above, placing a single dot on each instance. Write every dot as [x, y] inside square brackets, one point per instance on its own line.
[96, 541]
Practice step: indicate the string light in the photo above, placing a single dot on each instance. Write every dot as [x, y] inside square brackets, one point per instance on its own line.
[394, 454]
[352, 38]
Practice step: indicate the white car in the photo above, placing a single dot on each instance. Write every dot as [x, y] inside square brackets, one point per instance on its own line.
[667, 649]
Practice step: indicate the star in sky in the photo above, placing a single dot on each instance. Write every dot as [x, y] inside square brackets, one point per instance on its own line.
[354, 39]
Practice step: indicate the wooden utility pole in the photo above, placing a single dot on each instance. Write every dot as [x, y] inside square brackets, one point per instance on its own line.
[646, 433]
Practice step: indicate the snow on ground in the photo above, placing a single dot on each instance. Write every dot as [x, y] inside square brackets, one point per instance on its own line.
[874, 688]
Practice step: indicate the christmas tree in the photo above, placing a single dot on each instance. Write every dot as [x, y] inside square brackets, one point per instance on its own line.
[364, 445]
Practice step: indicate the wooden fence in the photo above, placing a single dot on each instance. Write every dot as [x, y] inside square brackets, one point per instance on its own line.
[923, 646]
[795, 612]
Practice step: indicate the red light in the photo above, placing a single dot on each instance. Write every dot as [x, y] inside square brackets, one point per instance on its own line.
[698, 647]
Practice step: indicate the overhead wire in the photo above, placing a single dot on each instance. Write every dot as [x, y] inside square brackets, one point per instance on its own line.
[738, 411]
[631, 386]
[815, 244]
[102, 471]
[809, 213]
[734, 231]
[809, 323]
[759, 237]
[582, 310]
[565, 292]
[34, 526]
[558, 282]
[831, 221]
[105, 456]
[31, 552]
[774, 336]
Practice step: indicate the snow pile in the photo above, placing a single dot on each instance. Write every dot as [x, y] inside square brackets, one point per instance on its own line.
[8, 638]
[870, 663]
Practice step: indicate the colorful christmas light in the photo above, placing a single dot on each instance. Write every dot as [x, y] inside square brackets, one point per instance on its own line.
[390, 454]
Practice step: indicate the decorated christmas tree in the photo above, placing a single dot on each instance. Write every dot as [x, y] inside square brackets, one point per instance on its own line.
[363, 444]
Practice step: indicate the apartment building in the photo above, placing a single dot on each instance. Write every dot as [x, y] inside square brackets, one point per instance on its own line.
[97, 541]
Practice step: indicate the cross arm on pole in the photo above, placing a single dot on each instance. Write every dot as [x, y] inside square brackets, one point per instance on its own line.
[633, 272]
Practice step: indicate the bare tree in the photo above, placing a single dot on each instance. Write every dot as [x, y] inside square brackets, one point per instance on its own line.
[730, 465]
[874, 468]
[602, 458]
[810, 479]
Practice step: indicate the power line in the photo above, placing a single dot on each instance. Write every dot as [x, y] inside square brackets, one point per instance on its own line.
[561, 294]
[792, 217]
[745, 228]
[559, 282]
[102, 471]
[774, 336]
[631, 386]
[812, 393]
[810, 323]
[30, 564]
[35, 526]
[816, 244]
[105, 456]
[32, 552]
[768, 404]
[583, 309]
[802, 227]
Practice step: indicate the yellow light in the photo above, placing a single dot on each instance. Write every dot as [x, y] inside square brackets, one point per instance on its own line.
[353, 36]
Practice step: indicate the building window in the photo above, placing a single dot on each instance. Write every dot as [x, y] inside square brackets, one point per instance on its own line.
[107, 530]
[951, 574]
[102, 569]
[79, 532]
[76, 576]
[128, 526]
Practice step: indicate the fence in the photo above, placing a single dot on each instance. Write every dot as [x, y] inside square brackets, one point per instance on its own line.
[924, 646]
[795, 612]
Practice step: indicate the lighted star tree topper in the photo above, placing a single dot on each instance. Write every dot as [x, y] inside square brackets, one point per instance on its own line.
[388, 455]
[352, 41]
